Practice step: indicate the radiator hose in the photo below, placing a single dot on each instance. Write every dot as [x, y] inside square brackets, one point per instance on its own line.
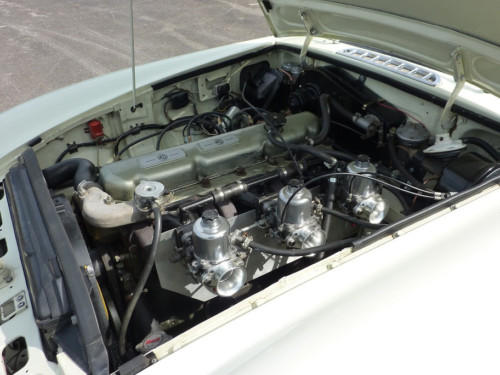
[70, 170]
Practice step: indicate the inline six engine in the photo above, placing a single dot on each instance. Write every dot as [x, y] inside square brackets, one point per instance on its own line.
[231, 179]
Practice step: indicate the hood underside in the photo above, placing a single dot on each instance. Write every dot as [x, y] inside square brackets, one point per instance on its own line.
[426, 31]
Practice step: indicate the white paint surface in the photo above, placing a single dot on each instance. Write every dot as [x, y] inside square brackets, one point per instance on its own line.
[425, 302]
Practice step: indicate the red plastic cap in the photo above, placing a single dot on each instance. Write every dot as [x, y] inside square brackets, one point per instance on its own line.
[95, 129]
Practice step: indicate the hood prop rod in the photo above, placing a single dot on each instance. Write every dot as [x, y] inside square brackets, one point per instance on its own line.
[459, 75]
[311, 31]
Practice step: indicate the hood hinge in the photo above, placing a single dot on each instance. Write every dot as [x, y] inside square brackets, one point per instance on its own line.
[457, 57]
[311, 31]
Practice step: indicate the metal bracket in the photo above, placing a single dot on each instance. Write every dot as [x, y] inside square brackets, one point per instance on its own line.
[13, 306]
[459, 76]
[311, 32]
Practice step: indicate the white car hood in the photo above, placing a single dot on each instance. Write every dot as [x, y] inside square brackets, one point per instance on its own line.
[424, 31]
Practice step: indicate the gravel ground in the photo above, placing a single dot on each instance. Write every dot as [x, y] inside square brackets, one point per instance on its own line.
[54, 43]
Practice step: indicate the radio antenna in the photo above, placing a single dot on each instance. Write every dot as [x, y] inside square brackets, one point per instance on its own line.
[134, 105]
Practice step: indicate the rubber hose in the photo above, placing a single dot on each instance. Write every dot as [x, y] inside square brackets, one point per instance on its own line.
[340, 109]
[328, 247]
[305, 148]
[76, 170]
[351, 219]
[342, 155]
[218, 129]
[142, 279]
[325, 119]
[328, 159]
[399, 165]
[329, 199]
[484, 145]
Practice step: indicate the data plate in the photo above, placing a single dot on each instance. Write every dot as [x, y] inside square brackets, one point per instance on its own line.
[216, 142]
[161, 157]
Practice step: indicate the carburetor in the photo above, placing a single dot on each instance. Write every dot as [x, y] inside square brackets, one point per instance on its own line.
[363, 194]
[297, 224]
[216, 261]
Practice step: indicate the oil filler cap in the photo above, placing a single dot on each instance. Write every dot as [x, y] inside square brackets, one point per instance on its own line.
[146, 193]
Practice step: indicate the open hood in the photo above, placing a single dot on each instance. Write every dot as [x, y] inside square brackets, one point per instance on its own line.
[426, 31]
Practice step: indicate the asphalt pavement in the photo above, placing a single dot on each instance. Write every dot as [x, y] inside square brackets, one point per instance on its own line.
[53, 43]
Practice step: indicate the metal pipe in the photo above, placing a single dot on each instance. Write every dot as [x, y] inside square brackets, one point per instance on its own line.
[330, 198]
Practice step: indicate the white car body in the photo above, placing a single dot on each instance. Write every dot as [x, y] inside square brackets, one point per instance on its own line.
[416, 296]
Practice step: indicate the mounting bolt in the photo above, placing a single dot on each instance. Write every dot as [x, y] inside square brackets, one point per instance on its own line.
[272, 161]
[240, 171]
[205, 182]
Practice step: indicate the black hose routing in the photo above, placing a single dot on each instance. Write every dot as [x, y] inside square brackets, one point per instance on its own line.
[340, 109]
[141, 283]
[328, 247]
[325, 127]
[484, 145]
[325, 119]
[75, 170]
[391, 145]
[342, 155]
[323, 156]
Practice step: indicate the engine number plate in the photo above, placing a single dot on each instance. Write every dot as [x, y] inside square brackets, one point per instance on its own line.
[216, 142]
[161, 157]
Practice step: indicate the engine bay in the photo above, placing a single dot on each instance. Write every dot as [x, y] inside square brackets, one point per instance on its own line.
[220, 182]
